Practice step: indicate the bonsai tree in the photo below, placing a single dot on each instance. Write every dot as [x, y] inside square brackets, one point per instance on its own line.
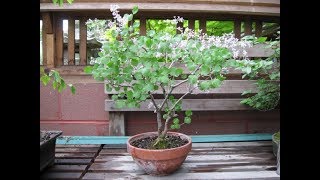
[136, 66]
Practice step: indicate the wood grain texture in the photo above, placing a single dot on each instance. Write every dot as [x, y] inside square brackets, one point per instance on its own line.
[83, 41]
[59, 42]
[71, 41]
[50, 50]
[116, 124]
[187, 104]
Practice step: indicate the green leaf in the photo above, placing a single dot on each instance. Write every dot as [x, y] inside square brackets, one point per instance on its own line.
[192, 79]
[151, 33]
[172, 126]
[45, 79]
[247, 70]
[130, 17]
[205, 85]
[114, 97]
[136, 24]
[215, 83]
[188, 113]
[72, 89]
[261, 39]
[177, 126]
[88, 69]
[135, 10]
[164, 79]
[205, 70]
[175, 121]
[246, 92]
[134, 62]
[187, 120]
[165, 116]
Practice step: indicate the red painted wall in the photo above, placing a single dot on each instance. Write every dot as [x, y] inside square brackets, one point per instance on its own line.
[79, 114]
[83, 114]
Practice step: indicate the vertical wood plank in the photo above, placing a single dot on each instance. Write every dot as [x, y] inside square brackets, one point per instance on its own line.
[83, 41]
[116, 124]
[237, 28]
[248, 27]
[46, 29]
[258, 28]
[71, 40]
[203, 25]
[191, 23]
[179, 25]
[50, 50]
[44, 43]
[143, 26]
[59, 41]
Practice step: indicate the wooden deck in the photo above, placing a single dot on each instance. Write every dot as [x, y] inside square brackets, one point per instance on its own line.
[229, 160]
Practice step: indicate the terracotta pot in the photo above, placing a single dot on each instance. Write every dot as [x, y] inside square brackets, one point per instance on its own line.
[159, 162]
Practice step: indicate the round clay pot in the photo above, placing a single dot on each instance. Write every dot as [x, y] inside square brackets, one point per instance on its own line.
[159, 162]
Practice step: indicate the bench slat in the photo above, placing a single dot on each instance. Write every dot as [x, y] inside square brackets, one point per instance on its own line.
[192, 104]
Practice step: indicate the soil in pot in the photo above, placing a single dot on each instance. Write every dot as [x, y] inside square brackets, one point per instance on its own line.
[172, 142]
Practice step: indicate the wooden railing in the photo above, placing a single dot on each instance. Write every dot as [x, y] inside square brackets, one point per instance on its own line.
[240, 12]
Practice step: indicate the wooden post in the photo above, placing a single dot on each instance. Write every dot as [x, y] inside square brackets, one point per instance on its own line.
[59, 41]
[46, 29]
[248, 27]
[143, 26]
[203, 25]
[83, 41]
[50, 50]
[258, 28]
[191, 23]
[237, 28]
[179, 24]
[116, 124]
[71, 41]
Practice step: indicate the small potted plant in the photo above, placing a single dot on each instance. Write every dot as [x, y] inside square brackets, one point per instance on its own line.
[137, 65]
[48, 138]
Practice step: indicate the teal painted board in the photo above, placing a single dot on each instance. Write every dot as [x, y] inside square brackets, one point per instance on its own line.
[195, 139]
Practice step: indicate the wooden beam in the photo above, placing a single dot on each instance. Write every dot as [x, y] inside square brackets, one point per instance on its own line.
[191, 23]
[116, 124]
[71, 41]
[174, 7]
[225, 2]
[237, 28]
[44, 44]
[83, 41]
[187, 104]
[50, 50]
[258, 30]
[203, 25]
[248, 27]
[143, 26]
[228, 87]
[59, 42]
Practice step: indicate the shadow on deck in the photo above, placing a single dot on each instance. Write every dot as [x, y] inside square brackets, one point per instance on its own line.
[229, 160]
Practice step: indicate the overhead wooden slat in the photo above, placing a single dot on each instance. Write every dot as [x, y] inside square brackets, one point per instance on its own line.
[193, 104]
[71, 41]
[228, 87]
[237, 28]
[258, 30]
[175, 7]
[83, 41]
[59, 41]
[143, 26]
[226, 2]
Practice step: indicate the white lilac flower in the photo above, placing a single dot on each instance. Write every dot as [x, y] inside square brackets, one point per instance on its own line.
[158, 55]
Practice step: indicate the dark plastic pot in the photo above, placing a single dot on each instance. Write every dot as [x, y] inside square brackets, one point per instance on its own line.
[47, 149]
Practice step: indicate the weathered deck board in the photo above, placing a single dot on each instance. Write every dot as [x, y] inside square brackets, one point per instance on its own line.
[71, 161]
[227, 160]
